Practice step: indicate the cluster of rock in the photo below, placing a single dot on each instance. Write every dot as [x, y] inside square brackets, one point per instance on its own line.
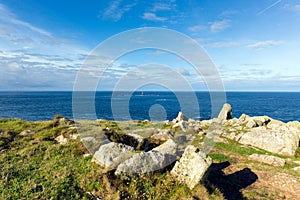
[133, 154]
[130, 154]
[263, 132]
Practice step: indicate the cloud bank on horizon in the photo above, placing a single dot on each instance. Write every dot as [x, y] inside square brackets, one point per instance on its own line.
[254, 44]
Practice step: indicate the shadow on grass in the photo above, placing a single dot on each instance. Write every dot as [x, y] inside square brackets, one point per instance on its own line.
[229, 185]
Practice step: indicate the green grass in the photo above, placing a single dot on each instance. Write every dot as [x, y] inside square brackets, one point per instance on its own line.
[37, 167]
[218, 157]
[235, 147]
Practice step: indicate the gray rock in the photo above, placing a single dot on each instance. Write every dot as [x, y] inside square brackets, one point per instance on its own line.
[139, 138]
[251, 123]
[112, 154]
[278, 140]
[226, 112]
[132, 139]
[62, 121]
[271, 160]
[163, 135]
[243, 117]
[27, 132]
[183, 125]
[169, 147]
[206, 123]
[294, 126]
[146, 162]
[88, 139]
[191, 167]
[180, 117]
[261, 120]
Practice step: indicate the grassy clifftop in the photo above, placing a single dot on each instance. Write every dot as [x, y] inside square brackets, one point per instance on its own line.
[35, 166]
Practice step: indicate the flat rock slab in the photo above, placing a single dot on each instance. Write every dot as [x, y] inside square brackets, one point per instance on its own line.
[278, 140]
[112, 154]
[271, 160]
[191, 167]
[146, 162]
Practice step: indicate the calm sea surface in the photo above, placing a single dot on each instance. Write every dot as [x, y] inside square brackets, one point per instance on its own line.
[147, 105]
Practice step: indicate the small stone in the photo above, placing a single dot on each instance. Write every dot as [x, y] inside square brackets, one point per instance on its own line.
[163, 135]
[296, 162]
[27, 133]
[243, 117]
[61, 140]
[74, 136]
[297, 168]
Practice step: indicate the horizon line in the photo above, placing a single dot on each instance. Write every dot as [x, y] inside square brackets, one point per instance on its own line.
[294, 91]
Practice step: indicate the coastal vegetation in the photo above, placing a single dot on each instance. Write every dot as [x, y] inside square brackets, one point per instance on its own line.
[34, 165]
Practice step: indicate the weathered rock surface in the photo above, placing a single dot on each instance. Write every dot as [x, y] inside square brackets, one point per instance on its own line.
[278, 140]
[295, 126]
[145, 162]
[61, 140]
[191, 167]
[180, 117]
[271, 160]
[163, 135]
[263, 132]
[27, 132]
[112, 154]
[169, 147]
[131, 139]
[74, 136]
[183, 125]
[226, 112]
[62, 121]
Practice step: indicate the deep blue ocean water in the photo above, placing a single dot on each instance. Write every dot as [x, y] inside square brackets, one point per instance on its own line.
[34, 106]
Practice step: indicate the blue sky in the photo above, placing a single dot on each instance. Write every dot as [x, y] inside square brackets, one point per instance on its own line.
[255, 44]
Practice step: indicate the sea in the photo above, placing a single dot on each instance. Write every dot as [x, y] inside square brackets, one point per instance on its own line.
[148, 105]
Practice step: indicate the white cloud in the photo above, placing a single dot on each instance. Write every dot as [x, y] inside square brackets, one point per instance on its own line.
[222, 44]
[228, 13]
[198, 40]
[294, 8]
[183, 71]
[153, 17]
[14, 66]
[197, 28]
[220, 25]
[115, 10]
[264, 44]
[7, 16]
[161, 7]
[31, 58]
